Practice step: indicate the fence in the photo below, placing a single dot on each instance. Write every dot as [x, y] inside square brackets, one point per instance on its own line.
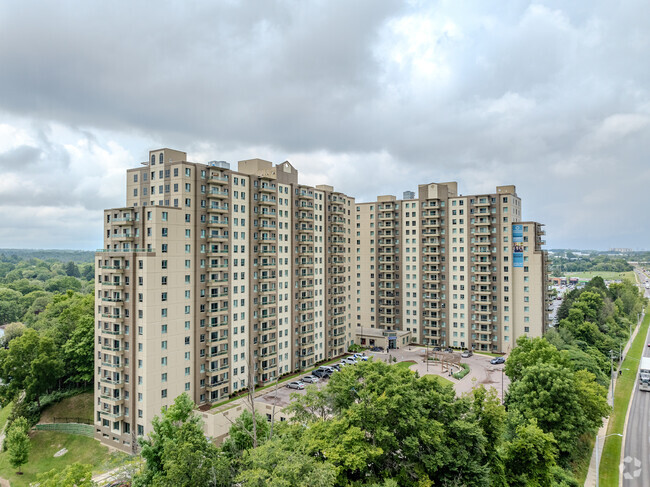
[70, 428]
[72, 420]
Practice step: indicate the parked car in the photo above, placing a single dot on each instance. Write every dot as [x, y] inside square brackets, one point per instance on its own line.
[377, 349]
[311, 379]
[360, 356]
[296, 384]
[467, 353]
[349, 361]
[449, 350]
[321, 374]
[498, 360]
[436, 349]
[336, 367]
[327, 368]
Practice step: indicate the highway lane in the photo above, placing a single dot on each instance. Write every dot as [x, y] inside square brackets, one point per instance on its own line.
[636, 463]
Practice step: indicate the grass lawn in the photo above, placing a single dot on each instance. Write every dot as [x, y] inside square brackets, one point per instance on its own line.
[4, 414]
[611, 455]
[41, 457]
[405, 364]
[608, 276]
[79, 406]
[442, 380]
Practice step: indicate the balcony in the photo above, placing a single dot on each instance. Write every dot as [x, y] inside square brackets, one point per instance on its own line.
[218, 223]
[114, 416]
[217, 193]
[218, 208]
[266, 201]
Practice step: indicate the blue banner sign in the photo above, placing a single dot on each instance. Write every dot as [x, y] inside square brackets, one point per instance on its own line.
[517, 245]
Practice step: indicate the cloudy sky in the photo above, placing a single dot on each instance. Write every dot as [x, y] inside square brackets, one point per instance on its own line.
[370, 96]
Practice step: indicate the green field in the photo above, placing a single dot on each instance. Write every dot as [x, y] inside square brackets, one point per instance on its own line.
[41, 458]
[608, 276]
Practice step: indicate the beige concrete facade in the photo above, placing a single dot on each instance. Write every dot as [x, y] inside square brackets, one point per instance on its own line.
[444, 268]
[208, 271]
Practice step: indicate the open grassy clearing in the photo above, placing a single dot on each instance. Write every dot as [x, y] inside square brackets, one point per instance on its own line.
[41, 458]
[608, 276]
[79, 406]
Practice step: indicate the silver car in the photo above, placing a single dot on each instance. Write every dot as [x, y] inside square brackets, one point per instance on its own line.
[311, 379]
[296, 384]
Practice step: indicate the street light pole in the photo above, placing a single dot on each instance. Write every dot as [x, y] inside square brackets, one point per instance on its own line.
[598, 455]
[502, 398]
[611, 372]
[427, 355]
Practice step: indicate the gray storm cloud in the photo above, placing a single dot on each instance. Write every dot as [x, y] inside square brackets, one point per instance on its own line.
[552, 97]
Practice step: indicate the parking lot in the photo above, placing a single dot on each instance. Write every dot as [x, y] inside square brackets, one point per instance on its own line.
[481, 372]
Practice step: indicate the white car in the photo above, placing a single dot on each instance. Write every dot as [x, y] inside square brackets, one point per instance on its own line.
[349, 360]
[359, 356]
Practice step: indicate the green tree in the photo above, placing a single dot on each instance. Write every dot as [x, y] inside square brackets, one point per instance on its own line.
[530, 457]
[283, 461]
[240, 437]
[32, 364]
[177, 452]
[15, 363]
[12, 330]
[18, 445]
[73, 475]
[62, 284]
[45, 370]
[72, 270]
[530, 352]
[78, 352]
[559, 401]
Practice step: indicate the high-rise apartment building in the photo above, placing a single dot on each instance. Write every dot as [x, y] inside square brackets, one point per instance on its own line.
[453, 270]
[210, 278]
[207, 272]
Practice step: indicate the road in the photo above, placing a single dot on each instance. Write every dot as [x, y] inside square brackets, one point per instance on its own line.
[636, 472]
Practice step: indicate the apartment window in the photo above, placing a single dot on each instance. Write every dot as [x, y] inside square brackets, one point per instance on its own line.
[163, 248]
[163, 393]
[163, 329]
[163, 297]
[163, 361]
[164, 216]
[164, 312]
[165, 231]
[163, 345]
[163, 377]
[164, 264]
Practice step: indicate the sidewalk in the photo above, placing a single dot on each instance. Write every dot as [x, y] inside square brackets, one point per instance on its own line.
[590, 480]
